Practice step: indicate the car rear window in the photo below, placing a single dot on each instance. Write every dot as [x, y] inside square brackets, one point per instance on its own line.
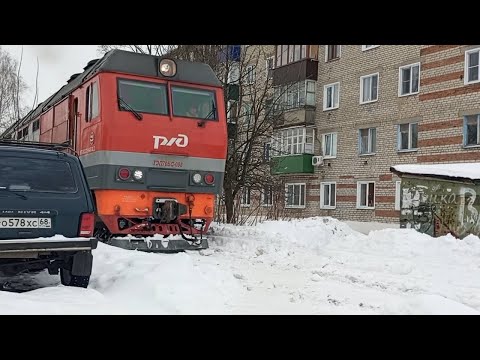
[38, 175]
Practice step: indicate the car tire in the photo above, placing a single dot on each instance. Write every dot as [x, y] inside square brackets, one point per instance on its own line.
[68, 279]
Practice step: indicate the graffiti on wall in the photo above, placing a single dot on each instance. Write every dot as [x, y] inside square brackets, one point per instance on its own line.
[440, 207]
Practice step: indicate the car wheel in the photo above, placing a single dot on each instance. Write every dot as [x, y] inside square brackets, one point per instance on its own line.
[68, 279]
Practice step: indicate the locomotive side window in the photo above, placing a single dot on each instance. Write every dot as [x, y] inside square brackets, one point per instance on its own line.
[194, 103]
[141, 96]
[92, 110]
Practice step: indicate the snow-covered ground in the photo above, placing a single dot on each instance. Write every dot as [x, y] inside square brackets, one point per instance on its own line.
[310, 266]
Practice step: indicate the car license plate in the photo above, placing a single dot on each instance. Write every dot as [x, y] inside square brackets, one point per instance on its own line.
[25, 223]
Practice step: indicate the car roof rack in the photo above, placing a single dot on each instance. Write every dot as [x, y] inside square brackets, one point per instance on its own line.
[41, 145]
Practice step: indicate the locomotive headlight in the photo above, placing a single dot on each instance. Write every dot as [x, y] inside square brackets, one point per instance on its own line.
[168, 67]
[197, 178]
[138, 175]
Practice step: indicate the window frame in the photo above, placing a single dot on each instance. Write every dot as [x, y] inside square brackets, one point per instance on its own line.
[246, 195]
[339, 55]
[400, 79]
[370, 47]
[322, 191]
[278, 148]
[268, 189]
[304, 51]
[369, 145]
[250, 74]
[398, 197]
[325, 88]
[89, 95]
[119, 79]
[334, 135]
[362, 90]
[172, 105]
[465, 132]
[299, 197]
[466, 67]
[359, 185]
[399, 137]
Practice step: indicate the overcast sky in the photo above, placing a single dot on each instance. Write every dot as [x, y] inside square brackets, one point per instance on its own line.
[57, 64]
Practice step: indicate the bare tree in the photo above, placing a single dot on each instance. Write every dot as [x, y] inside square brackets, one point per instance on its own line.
[156, 50]
[12, 88]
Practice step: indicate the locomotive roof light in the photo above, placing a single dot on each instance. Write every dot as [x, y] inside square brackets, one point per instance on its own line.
[168, 67]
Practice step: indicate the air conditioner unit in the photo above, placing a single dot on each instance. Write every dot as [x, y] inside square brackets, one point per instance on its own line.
[317, 160]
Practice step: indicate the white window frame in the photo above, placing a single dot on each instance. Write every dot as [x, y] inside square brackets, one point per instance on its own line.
[369, 145]
[336, 104]
[300, 189]
[269, 189]
[369, 47]
[466, 66]
[245, 195]
[359, 184]
[399, 138]
[250, 74]
[339, 53]
[282, 140]
[400, 80]
[398, 189]
[233, 73]
[465, 131]
[362, 89]
[334, 145]
[287, 92]
[267, 68]
[230, 104]
[322, 191]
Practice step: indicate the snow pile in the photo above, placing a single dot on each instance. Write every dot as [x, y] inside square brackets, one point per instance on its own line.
[462, 170]
[310, 266]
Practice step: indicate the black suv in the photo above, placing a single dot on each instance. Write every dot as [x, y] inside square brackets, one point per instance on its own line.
[46, 212]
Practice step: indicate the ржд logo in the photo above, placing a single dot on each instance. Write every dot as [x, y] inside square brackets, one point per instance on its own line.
[180, 141]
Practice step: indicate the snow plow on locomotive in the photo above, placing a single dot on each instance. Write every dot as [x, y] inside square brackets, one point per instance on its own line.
[151, 134]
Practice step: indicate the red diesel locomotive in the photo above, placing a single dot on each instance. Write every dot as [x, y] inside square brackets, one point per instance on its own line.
[151, 134]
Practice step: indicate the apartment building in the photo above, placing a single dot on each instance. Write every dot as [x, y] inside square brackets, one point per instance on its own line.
[375, 106]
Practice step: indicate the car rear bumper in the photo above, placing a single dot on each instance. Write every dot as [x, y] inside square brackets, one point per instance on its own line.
[47, 245]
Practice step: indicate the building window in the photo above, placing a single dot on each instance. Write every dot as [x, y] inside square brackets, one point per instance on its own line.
[245, 199]
[367, 141]
[295, 195]
[332, 52]
[407, 136]
[286, 54]
[397, 194]
[250, 75]
[368, 47]
[232, 112]
[269, 62]
[409, 79]
[331, 96]
[92, 108]
[293, 141]
[247, 113]
[366, 195]
[329, 145]
[471, 130]
[328, 195]
[368, 88]
[292, 96]
[233, 73]
[266, 152]
[267, 196]
[471, 75]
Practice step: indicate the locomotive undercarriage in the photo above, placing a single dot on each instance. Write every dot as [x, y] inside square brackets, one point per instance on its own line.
[145, 233]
